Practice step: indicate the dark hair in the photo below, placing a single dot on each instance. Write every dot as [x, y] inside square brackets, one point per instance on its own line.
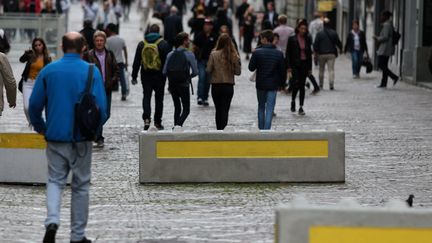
[4, 44]
[180, 38]
[44, 50]
[154, 28]
[282, 19]
[266, 25]
[355, 21]
[300, 23]
[276, 35]
[88, 23]
[387, 14]
[75, 44]
[268, 34]
[112, 27]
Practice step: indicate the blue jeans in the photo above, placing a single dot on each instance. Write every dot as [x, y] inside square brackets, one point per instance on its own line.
[124, 89]
[266, 104]
[203, 80]
[63, 158]
[357, 59]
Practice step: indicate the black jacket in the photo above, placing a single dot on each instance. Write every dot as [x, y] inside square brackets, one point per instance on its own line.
[349, 46]
[270, 67]
[274, 22]
[172, 26]
[326, 42]
[292, 55]
[27, 58]
[150, 76]
[88, 33]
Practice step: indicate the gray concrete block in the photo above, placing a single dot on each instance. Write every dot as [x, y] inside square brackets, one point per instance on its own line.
[306, 223]
[242, 162]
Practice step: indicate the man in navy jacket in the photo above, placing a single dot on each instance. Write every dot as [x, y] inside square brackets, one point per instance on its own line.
[57, 89]
[270, 69]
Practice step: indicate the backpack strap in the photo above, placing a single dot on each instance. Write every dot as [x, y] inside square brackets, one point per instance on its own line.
[89, 82]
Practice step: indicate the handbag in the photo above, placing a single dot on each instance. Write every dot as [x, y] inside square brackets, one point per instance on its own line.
[368, 64]
[20, 85]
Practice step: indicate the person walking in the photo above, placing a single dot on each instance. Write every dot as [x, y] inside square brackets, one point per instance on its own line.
[248, 31]
[284, 31]
[35, 59]
[299, 63]
[150, 57]
[357, 46]
[271, 16]
[203, 44]
[239, 15]
[271, 73]
[105, 16]
[180, 62]
[172, 26]
[7, 81]
[90, 11]
[106, 63]
[325, 46]
[386, 49]
[126, 6]
[224, 63]
[88, 32]
[117, 45]
[58, 89]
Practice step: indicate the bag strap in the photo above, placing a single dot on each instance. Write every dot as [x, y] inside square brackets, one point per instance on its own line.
[89, 82]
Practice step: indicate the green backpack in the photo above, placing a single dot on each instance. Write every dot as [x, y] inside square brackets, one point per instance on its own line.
[150, 56]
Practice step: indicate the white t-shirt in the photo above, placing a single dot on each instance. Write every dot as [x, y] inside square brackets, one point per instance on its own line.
[356, 40]
[116, 44]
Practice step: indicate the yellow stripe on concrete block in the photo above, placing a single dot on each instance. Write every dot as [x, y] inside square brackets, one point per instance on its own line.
[242, 149]
[22, 141]
[330, 234]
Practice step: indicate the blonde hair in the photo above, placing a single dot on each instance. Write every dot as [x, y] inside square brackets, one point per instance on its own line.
[229, 53]
[99, 33]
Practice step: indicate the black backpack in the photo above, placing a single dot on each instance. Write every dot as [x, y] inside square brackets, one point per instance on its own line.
[87, 112]
[178, 68]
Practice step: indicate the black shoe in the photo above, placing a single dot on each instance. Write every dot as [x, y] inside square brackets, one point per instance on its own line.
[293, 109]
[395, 81]
[301, 112]
[146, 124]
[205, 103]
[84, 240]
[381, 86]
[159, 126]
[200, 102]
[50, 233]
[123, 98]
[331, 88]
[247, 57]
[315, 91]
[307, 85]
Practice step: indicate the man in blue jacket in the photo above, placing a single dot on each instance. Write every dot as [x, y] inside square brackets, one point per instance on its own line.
[270, 69]
[57, 89]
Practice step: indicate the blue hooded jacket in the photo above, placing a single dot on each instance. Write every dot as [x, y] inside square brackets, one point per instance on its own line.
[57, 89]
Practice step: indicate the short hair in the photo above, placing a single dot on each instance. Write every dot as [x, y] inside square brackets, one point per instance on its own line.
[154, 28]
[112, 27]
[387, 14]
[326, 22]
[88, 23]
[276, 35]
[99, 33]
[268, 34]
[180, 38]
[282, 19]
[75, 44]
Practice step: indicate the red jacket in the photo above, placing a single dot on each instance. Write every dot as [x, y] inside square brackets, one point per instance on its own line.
[37, 7]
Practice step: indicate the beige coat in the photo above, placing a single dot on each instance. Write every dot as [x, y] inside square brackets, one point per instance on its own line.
[8, 81]
[219, 74]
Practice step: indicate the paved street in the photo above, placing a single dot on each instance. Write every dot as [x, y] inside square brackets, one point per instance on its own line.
[388, 155]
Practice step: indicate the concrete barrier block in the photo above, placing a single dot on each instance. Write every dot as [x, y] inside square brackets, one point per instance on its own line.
[270, 156]
[22, 158]
[346, 223]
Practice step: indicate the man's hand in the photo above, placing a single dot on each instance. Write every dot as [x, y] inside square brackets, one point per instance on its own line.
[134, 81]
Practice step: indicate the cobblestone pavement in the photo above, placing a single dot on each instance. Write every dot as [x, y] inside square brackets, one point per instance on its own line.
[388, 155]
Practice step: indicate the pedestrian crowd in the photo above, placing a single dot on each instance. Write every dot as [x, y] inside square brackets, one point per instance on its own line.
[76, 90]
